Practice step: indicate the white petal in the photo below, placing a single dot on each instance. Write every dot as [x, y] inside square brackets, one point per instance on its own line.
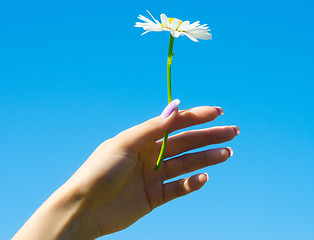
[193, 25]
[144, 33]
[191, 37]
[173, 33]
[155, 29]
[201, 34]
[141, 24]
[165, 20]
[183, 25]
[175, 23]
[149, 25]
[176, 34]
[145, 19]
[203, 26]
[153, 17]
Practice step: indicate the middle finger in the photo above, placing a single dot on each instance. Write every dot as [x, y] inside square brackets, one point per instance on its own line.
[190, 140]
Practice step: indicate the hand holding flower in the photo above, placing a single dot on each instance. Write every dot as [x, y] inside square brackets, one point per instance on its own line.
[117, 185]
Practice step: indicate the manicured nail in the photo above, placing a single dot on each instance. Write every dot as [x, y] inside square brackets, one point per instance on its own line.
[236, 130]
[219, 110]
[207, 177]
[230, 151]
[170, 108]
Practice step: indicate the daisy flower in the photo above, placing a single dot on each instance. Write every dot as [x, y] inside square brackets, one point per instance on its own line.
[175, 26]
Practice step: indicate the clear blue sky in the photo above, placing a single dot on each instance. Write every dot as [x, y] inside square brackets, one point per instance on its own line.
[74, 73]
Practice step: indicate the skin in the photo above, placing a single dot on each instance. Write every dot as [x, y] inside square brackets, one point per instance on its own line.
[117, 185]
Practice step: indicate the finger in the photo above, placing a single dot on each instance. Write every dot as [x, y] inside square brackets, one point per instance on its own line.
[182, 187]
[186, 141]
[195, 116]
[152, 129]
[194, 161]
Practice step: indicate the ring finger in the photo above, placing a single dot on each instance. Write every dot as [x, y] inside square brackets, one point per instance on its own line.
[194, 161]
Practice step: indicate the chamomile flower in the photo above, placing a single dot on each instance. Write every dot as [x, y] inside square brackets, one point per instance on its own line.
[175, 26]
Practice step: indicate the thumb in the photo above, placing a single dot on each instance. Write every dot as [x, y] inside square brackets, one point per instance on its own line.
[151, 130]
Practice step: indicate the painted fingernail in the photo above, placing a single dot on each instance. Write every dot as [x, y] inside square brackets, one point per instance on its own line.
[207, 177]
[230, 151]
[236, 130]
[219, 110]
[170, 108]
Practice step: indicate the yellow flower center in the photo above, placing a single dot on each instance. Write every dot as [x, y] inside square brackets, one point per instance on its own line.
[170, 21]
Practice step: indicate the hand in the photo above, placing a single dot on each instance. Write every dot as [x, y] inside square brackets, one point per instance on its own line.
[119, 178]
[117, 185]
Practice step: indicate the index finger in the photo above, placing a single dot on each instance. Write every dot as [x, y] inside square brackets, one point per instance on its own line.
[195, 116]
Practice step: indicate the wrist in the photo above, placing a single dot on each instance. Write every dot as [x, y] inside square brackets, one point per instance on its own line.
[74, 218]
[64, 215]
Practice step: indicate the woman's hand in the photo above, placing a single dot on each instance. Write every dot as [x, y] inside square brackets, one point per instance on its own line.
[117, 185]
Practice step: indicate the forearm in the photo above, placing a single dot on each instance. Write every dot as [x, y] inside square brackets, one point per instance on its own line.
[62, 216]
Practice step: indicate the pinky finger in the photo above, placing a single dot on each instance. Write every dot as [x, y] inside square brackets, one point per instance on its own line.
[184, 186]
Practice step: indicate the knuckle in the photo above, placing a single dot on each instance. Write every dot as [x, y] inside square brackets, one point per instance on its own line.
[185, 164]
[152, 123]
[180, 189]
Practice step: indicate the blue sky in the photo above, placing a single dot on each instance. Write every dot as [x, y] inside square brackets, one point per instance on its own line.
[74, 73]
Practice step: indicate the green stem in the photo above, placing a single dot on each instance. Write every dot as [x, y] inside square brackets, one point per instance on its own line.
[169, 61]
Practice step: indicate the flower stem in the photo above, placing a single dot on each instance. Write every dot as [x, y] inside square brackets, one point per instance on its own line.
[169, 61]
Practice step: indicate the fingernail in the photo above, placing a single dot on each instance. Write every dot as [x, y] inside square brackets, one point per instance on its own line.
[207, 177]
[230, 151]
[219, 110]
[170, 108]
[236, 130]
